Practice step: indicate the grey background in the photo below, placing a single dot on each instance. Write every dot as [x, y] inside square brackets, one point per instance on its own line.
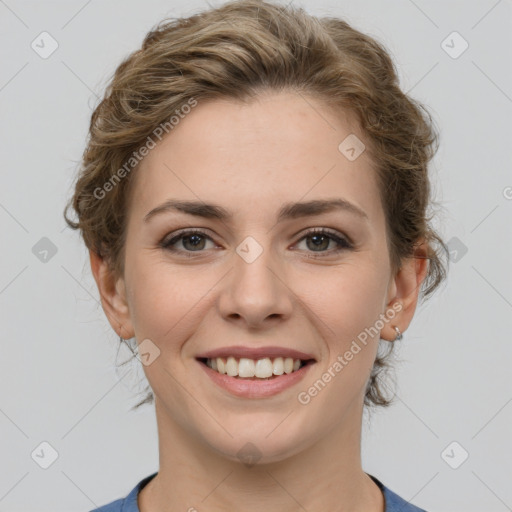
[59, 383]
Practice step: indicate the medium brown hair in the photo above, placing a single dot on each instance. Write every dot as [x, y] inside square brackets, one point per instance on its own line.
[237, 51]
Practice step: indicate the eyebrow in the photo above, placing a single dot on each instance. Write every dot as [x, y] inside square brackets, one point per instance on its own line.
[287, 211]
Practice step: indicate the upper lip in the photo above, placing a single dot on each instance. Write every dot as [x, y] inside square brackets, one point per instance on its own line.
[239, 351]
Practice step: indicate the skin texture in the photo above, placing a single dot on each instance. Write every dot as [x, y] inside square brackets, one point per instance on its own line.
[251, 158]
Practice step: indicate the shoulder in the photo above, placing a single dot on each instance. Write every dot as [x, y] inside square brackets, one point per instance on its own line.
[127, 504]
[395, 503]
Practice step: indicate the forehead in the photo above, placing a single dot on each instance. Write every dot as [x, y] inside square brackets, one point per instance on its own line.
[252, 157]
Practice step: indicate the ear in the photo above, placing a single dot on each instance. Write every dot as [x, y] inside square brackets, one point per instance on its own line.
[113, 296]
[404, 288]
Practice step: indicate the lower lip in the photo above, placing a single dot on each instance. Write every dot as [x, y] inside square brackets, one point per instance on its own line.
[247, 388]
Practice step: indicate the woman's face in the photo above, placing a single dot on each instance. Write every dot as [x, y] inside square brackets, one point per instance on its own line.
[254, 280]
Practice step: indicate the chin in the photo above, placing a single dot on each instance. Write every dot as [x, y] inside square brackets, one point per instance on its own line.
[261, 442]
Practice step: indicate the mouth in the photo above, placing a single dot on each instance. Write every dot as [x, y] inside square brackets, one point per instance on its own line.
[266, 368]
[255, 372]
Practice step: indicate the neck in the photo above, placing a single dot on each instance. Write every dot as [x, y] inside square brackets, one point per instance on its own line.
[327, 475]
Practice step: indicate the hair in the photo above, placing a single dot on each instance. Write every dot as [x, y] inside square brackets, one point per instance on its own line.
[238, 51]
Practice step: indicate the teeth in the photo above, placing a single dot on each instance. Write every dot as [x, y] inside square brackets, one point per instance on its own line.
[263, 368]
[247, 368]
[278, 366]
[288, 365]
[232, 367]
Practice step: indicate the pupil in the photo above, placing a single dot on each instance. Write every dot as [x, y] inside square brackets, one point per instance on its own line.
[196, 238]
[320, 239]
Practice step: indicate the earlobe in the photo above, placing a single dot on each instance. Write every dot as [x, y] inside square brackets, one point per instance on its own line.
[113, 296]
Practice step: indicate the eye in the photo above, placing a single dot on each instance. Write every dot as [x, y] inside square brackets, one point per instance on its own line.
[192, 241]
[321, 238]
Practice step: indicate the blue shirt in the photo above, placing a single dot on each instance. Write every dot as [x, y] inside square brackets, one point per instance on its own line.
[393, 502]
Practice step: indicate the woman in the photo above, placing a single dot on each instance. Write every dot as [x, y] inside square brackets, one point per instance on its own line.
[254, 198]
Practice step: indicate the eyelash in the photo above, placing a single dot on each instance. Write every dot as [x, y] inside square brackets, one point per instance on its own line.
[343, 243]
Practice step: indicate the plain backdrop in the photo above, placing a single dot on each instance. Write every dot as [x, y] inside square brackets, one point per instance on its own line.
[445, 444]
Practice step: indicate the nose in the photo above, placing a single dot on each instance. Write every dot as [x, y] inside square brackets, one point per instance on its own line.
[256, 292]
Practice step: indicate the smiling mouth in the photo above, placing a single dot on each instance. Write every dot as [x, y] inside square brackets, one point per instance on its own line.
[255, 369]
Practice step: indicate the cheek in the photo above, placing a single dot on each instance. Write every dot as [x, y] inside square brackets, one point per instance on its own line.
[162, 298]
[346, 299]
[348, 304]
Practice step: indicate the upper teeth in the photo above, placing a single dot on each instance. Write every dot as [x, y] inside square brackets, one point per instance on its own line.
[262, 368]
